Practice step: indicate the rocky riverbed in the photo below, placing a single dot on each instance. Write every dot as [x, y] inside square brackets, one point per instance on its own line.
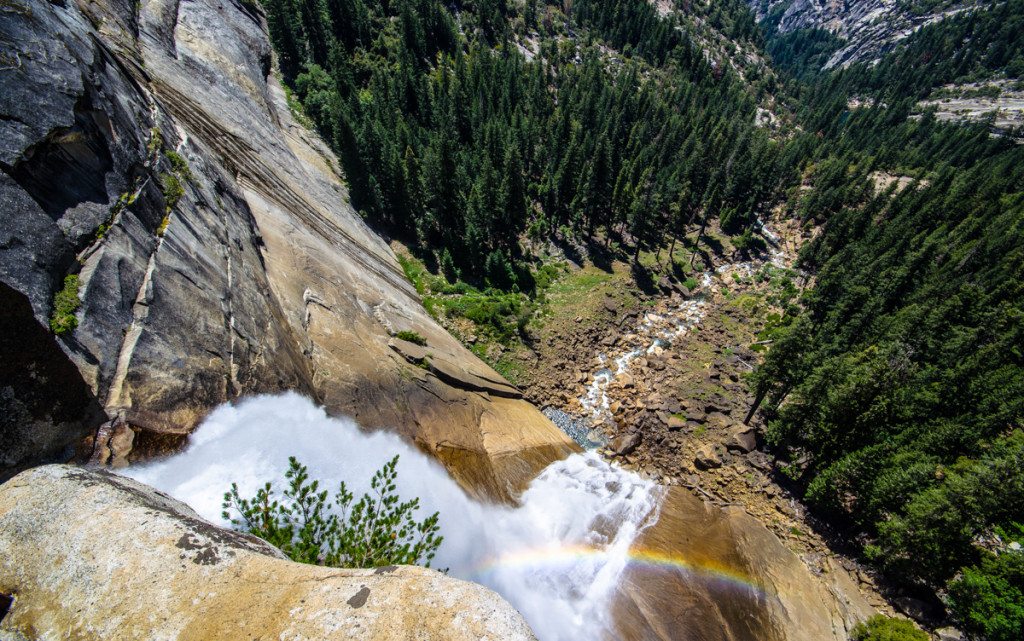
[657, 381]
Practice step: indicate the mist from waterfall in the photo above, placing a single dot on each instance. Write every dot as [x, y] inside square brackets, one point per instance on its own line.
[557, 558]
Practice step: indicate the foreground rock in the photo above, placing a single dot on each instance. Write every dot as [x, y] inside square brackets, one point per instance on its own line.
[92, 555]
[257, 277]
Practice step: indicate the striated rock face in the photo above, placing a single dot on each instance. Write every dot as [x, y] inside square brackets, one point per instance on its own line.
[92, 555]
[712, 573]
[871, 27]
[258, 277]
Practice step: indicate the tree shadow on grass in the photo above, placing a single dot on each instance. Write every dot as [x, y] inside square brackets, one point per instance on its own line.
[644, 278]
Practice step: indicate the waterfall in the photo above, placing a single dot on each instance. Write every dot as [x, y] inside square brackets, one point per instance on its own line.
[557, 558]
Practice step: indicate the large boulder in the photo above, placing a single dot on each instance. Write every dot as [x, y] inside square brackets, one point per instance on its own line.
[742, 438]
[92, 555]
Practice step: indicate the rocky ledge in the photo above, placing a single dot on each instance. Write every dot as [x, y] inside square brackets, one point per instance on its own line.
[92, 555]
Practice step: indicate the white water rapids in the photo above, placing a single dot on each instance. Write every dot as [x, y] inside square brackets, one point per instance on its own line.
[557, 558]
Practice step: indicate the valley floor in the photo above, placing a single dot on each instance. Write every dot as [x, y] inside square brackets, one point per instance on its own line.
[674, 412]
[685, 400]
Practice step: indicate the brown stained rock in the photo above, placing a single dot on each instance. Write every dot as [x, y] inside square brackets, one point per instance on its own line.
[742, 438]
[456, 376]
[696, 416]
[707, 458]
[675, 423]
[75, 543]
[625, 444]
[410, 351]
[121, 445]
[770, 596]
[718, 418]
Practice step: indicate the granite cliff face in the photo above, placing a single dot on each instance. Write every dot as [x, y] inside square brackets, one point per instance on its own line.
[241, 270]
[871, 28]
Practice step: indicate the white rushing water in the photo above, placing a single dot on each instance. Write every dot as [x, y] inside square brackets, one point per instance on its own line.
[654, 331]
[557, 558]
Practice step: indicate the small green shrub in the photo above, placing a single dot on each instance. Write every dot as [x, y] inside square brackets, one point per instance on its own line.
[65, 302]
[377, 530]
[173, 190]
[883, 628]
[155, 142]
[690, 284]
[179, 164]
[412, 337]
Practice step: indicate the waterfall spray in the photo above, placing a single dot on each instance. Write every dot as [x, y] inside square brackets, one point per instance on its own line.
[557, 557]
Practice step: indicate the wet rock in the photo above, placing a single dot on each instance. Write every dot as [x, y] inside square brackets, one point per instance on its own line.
[71, 537]
[625, 444]
[792, 604]
[121, 446]
[742, 438]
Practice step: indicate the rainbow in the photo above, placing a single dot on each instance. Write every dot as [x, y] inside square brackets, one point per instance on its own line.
[566, 556]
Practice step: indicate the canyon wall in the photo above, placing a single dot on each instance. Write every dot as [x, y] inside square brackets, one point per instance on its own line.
[149, 150]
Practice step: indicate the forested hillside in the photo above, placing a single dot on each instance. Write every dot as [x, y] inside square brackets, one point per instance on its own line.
[898, 392]
[895, 388]
[454, 134]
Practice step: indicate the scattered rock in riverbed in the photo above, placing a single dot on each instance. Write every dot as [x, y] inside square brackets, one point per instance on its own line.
[742, 438]
[625, 444]
[707, 458]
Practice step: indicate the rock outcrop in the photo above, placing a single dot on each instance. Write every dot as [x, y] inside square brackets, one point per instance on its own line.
[869, 28]
[242, 270]
[92, 555]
